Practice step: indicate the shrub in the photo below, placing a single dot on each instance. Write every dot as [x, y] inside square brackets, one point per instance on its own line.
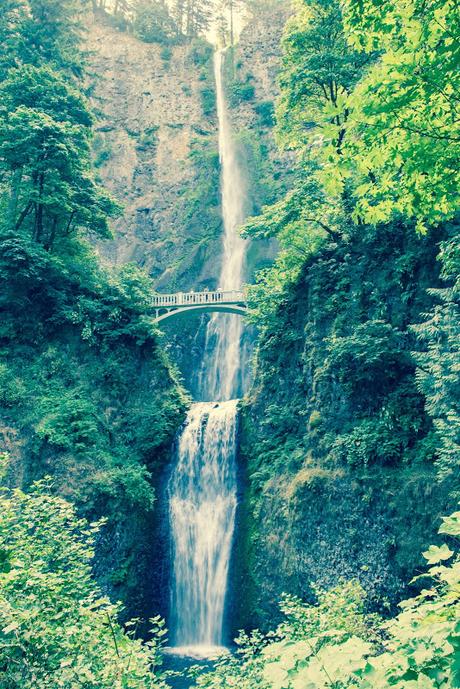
[208, 101]
[56, 628]
[241, 93]
[266, 111]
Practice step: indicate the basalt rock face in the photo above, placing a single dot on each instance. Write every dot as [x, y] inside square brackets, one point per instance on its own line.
[337, 446]
[156, 145]
[155, 139]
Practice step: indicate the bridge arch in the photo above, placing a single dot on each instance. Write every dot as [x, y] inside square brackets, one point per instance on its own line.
[201, 308]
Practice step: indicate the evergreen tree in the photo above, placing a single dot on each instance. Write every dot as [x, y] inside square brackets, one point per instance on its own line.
[438, 375]
[193, 17]
[46, 187]
[13, 17]
[45, 128]
[153, 22]
[51, 32]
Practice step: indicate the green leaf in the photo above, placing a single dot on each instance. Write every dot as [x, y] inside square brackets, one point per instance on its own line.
[436, 554]
[10, 628]
[276, 676]
[451, 525]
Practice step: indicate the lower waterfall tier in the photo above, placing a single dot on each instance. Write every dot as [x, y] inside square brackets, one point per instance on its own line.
[202, 506]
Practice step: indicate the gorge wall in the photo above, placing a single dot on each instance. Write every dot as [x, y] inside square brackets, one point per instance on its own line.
[336, 456]
[337, 447]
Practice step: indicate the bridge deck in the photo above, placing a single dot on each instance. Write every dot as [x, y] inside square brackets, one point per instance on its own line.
[184, 299]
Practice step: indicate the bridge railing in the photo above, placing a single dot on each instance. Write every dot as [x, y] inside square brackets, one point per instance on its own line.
[190, 298]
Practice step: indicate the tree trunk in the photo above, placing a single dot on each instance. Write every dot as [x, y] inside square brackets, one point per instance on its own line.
[52, 236]
[25, 212]
[39, 209]
[14, 196]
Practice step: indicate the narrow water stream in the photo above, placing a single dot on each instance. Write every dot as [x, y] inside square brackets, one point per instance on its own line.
[202, 489]
[221, 375]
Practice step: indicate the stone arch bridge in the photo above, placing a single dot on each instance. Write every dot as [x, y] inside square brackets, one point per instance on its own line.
[224, 301]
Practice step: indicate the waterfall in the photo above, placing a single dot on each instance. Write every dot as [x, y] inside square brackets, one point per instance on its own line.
[202, 488]
[202, 503]
[221, 371]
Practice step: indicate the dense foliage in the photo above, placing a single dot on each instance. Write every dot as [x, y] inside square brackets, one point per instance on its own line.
[47, 184]
[87, 335]
[41, 32]
[354, 416]
[86, 393]
[341, 111]
[56, 627]
[44, 153]
[403, 137]
[334, 429]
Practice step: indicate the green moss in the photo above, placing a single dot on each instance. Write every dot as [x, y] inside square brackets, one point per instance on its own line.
[166, 54]
[148, 139]
[102, 157]
[200, 52]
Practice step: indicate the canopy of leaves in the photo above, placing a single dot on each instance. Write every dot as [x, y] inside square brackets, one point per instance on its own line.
[403, 136]
[46, 182]
[369, 96]
[319, 71]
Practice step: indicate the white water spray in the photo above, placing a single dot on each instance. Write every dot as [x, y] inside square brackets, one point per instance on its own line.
[202, 504]
[202, 488]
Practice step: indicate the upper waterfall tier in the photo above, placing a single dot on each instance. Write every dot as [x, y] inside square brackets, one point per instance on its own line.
[220, 376]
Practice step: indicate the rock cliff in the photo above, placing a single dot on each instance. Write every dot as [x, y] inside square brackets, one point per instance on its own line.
[156, 124]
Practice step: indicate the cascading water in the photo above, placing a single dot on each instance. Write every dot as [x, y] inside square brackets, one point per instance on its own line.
[221, 371]
[202, 488]
[202, 505]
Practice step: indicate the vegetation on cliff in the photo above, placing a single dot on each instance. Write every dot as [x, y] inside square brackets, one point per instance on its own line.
[86, 393]
[334, 643]
[353, 417]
